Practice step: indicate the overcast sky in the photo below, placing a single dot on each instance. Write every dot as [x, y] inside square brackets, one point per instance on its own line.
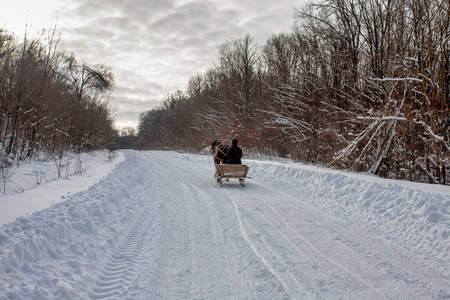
[152, 46]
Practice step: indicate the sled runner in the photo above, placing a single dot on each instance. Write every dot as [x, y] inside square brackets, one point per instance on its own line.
[231, 171]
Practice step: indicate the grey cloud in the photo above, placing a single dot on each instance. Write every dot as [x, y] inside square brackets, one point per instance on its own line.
[94, 9]
[137, 93]
[143, 10]
[154, 46]
[193, 20]
[119, 24]
[93, 32]
[128, 106]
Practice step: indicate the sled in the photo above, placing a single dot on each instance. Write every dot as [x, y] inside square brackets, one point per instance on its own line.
[231, 171]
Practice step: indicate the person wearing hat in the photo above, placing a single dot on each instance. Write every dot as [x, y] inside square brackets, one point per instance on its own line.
[234, 153]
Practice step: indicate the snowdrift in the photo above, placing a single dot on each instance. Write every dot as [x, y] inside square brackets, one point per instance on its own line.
[64, 245]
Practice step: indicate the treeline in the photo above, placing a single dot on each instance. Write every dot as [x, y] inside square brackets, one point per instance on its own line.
[362, 85]
[49, 102]
[125, 138]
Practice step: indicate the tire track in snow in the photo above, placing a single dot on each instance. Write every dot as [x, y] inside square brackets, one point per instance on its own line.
[270, 246]
[274, 254]
[376, 263]
[282, 273]
[183, 263]
[335, 262]
[328, 258]
[117, 274]
[261, 239]
[230, 260]
[254, 248]
[121, 268]
[283, 261]
[203, 233]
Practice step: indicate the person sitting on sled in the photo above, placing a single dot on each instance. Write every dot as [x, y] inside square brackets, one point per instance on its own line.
[234, 153]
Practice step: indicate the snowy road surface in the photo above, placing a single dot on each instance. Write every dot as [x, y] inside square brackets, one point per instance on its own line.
[158, 227]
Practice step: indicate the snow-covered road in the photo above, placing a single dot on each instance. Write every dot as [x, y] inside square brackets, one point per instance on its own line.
[158, 227]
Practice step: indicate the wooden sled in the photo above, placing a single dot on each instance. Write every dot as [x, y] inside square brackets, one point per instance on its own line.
[231, 171]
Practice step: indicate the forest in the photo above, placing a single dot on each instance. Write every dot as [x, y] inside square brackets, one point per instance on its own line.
[359, 85]
[50, 104]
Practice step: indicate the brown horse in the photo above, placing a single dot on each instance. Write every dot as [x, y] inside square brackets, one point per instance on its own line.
[219, 152]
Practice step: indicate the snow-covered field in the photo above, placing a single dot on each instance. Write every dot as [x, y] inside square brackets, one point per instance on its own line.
[39, 180]
[158, 227]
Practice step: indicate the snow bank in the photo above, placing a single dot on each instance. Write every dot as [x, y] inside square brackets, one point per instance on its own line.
[70, 238]
[415, 213]
[35, 186]
[405, 213]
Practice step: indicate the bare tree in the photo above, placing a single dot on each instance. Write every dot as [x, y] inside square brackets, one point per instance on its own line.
[37, 102]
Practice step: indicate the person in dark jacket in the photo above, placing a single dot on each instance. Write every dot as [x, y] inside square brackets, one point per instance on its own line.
[234, 153]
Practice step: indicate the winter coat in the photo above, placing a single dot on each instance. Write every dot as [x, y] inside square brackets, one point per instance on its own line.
[234, 155]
